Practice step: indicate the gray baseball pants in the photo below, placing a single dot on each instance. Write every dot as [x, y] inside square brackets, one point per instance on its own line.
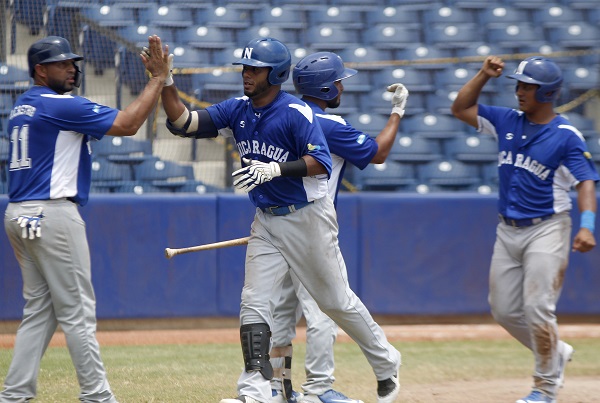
[58, 290]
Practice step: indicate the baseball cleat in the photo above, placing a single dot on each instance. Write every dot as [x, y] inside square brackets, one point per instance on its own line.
[536, 397]
[244, 399]
[565, 351]
[331, 396]
[277, 397]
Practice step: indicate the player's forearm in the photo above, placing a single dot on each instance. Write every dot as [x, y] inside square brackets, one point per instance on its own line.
[129, 120]
[385, 139]
[171, 102]
[469, 93]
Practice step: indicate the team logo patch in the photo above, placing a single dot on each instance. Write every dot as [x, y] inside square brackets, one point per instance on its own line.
[313, 147]
[587, 155]
[361, 139]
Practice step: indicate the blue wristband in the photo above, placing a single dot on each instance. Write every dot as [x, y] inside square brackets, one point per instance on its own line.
[588, 219]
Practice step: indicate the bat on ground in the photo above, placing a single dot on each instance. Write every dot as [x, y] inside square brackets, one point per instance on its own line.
[169, 253]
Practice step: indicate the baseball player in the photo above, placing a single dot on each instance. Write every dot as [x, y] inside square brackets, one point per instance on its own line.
[318, 78]
[49, 176]
[285, 167]
[541, 157]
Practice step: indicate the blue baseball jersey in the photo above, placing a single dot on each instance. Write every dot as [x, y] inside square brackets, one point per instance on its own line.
[345, 144]
[284, 130]
[50, 155]
[537, 164]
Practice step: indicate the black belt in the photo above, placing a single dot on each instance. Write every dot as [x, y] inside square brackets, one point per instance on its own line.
[525, 222]
[283, 210]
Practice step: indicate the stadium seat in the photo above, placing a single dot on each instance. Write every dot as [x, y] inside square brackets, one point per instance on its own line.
[3, 126]
[512, 37]
[204, 37]
[502, 16]
[227, 55]
[137, 35]
[6, 104]
[370, 123]
[489, 174]
[109, 16]
[365, 58]
[326, 15]
[423, 56]
[415, 80]
[454, 78]
[285, 16]
[108, 175]
[441, 101]
[121, 146]
[406, 16]
[330, 37]
[164, 174]
[165, 16]
[555, 15]
[504, 98]
[449, 174]
[217, 85]
[390, 36]
[472, 149]
[451, 36]
[414, 150]
[593, 146]
[444, 15]
[389, 176]
[200, 187]
[138, 188]
[224, 17]
[432, 126]
[288, 36]
[575, 35]
[379, 100]
[579, 79]
[586, 5]
[530, 5]
[473, 55]
[13, 79]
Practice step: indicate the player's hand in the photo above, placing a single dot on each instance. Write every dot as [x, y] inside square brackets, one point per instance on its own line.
[584, 241]
[255, 173]
[31, 226]
[493, 66]
[399, 98]
[169, 81]
[155, 59]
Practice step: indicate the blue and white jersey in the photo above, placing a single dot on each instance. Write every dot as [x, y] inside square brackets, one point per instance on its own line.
[284, 130]
[345, 144]
[537, 164]
[50, 155]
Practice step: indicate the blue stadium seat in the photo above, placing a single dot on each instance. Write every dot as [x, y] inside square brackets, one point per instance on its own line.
[406, 16]
[432, 126]
[3, 126]
[575, 35]
[164, 174]
[502, 15]
[285, 16]
[473, 55]
[224, 17]
[512, 37]
[530, 5]
[226, 55]
[441, 101]
[6, 104]
[288, 36]
[137, 35]
[14, 79]
[200, 187]
[422, 56]
[108, 175]
[390, 36]
[554, 15]
[586, 5]
[122, 146]
[380, 101]
[109, 16]
[455, 77]
[389, 176]
[330, 37]
[370, 123]
[444, 15]
[414, 150]
[326, 15]
[365, 58]
[138, 188]
[204, 37]
[579, 79]
[505, 98]
[472, 149]
[413, 79]
[593, 146]
[451, 36]
[165, 16]
[30, 13]
[217, 85]
[489, 174]
[449, 174]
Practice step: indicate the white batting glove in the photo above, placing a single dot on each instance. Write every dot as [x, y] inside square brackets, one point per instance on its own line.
[399, 98]
[169, 81]
[255, 173]
[31, 226]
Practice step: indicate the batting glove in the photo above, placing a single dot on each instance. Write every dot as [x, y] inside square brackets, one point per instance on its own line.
[399, 98]
[31, 226]
[169, 80]
[255, 173]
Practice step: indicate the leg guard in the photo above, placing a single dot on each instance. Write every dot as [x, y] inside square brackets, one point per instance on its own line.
[256, 342]
[285, 373]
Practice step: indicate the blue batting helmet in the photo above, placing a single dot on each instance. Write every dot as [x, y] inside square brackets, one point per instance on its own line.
[316, 74]
[543, 72]
[52, 49]
[268, 52]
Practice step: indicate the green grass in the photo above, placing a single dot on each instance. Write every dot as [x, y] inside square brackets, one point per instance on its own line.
[207, 373]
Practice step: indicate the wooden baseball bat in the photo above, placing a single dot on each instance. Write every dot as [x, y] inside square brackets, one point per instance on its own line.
[169, 253]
